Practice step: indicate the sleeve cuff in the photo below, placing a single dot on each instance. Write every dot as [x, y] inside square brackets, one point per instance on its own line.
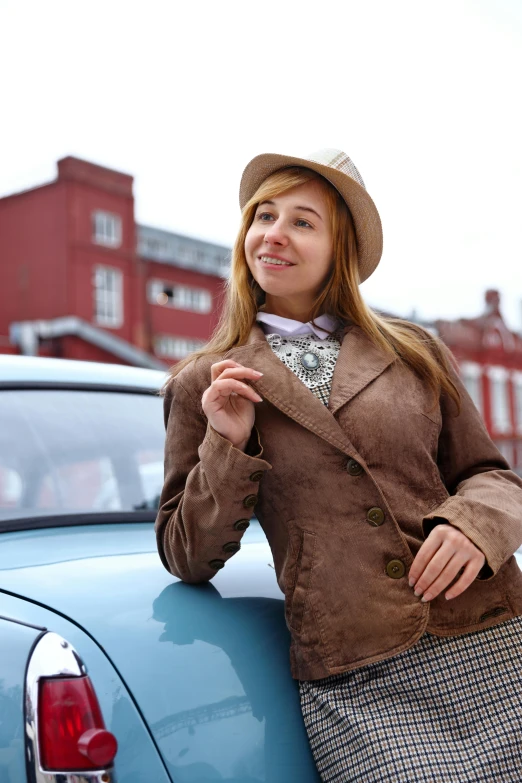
[226, 459]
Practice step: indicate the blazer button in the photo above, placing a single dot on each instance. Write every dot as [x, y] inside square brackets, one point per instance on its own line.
[257, 475]
[375, 516]
[217, 564]
[396, 569]
[232, 547]
[353, 468]
[241, 524]
[250, 501]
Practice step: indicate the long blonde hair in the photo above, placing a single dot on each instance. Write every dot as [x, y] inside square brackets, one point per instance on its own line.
[340, 297]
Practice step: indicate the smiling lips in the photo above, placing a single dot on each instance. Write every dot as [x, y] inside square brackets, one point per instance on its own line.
[270, 261]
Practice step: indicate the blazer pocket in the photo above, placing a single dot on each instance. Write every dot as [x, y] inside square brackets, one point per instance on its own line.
[303, 575]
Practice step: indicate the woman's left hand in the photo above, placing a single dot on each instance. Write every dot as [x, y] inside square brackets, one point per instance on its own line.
[442, 556]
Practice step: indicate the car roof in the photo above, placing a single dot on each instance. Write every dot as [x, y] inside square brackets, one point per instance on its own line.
[29, 370]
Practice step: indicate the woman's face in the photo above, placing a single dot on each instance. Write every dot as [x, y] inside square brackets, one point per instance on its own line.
[288, 249]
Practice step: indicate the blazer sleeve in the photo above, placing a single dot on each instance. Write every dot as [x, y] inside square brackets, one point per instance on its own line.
[485, 500]
[209, 486]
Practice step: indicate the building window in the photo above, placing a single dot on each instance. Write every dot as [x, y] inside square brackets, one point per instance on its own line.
[500, 414]
[171, 347]
[182, 297]
[106, 229]
[472, 379]
[108, 296]
[517, 392]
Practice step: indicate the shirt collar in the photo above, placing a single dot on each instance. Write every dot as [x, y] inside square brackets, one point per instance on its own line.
[286, 327]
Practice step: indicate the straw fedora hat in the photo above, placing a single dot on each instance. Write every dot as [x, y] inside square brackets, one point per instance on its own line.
[338, 169]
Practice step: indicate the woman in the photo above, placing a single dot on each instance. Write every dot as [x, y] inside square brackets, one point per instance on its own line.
[391, 515]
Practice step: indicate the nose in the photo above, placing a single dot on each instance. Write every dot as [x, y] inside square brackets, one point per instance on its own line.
[275, 234]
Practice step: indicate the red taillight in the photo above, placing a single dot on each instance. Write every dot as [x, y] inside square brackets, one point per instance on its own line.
[71, 730]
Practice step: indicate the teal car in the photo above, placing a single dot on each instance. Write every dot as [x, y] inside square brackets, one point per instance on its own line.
[111, 669]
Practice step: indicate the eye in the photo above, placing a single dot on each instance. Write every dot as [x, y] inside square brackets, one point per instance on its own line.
[303, 223]
[264, 217]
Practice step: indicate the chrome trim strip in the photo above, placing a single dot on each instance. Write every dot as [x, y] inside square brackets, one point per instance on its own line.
[52, 656]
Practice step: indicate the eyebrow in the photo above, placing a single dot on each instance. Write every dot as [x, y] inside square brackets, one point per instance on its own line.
[297, 208]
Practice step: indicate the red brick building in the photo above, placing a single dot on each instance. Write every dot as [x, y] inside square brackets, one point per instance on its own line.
[490, 361]
[80, 279]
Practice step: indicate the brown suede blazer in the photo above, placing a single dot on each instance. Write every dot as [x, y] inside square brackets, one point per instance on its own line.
[345, 495]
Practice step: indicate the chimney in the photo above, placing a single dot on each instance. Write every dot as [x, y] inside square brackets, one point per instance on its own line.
[492, 298]
[100, 177]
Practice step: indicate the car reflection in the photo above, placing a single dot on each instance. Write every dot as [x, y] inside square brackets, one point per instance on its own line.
[253, 634]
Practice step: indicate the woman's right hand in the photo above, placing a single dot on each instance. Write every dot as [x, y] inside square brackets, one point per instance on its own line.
[228, 403]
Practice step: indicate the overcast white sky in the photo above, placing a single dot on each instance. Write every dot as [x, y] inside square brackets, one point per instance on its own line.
[425, 97]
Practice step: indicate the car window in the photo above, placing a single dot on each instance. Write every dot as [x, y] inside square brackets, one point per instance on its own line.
[74, 451]
[83, 483]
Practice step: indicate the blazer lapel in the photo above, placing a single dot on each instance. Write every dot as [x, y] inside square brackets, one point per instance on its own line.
[283, 389]
[359, 363]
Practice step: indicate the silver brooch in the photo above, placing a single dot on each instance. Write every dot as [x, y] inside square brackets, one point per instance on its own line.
[310, 361]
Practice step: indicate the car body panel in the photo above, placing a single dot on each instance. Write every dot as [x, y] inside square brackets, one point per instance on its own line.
[137, 759]
[16, 642]
[208, 665]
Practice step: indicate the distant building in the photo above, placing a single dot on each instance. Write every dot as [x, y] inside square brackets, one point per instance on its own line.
[79, 279]
[490, 360]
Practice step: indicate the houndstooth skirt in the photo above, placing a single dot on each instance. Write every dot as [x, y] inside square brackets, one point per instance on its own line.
[447, 709]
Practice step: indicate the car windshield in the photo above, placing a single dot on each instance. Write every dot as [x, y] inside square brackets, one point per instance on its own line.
[77, 451]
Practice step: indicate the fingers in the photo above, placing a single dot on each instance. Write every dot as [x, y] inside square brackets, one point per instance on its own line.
[217, 368]
[445, 553]
[423, 557]
[224, 388]
[433, 568]
[468, 577]
[227, 386]
[228, 379]
[239, 373]
[444, 578]
[230, 369]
